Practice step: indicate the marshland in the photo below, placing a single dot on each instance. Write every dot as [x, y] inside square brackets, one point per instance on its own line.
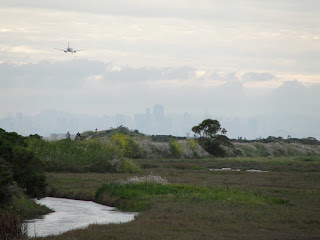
[266, 189]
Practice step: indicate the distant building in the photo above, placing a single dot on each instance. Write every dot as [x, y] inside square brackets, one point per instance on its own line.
[158, 112]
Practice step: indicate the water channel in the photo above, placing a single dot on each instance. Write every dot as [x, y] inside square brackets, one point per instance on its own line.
[71, 214]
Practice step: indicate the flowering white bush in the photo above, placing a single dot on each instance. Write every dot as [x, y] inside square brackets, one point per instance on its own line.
[116, 164]
[146, 179]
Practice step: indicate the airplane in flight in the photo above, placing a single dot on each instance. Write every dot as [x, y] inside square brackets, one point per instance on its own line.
[69, 49]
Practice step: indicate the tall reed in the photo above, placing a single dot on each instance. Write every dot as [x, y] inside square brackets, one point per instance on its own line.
[12, 227]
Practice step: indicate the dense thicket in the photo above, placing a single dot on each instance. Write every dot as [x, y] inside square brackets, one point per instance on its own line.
[89, 155]
[19, 164]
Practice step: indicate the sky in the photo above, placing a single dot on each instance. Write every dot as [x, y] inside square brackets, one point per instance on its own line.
[231, 58]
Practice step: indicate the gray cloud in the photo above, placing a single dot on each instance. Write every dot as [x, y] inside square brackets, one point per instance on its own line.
[237, 10]
[63, 75]
[92, 86]
[74, 74]
[260, 36]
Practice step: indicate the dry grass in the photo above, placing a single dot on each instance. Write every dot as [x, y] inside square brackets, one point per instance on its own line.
[12, 227]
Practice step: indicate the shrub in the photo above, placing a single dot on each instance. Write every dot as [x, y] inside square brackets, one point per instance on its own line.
[213, 147]
[129, 166]
[81, 156]
[175, 148]
[192, 144]
[22, 164]
[127, 145]
[27, 172]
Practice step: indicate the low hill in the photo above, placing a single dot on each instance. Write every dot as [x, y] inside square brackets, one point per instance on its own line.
[168, 146]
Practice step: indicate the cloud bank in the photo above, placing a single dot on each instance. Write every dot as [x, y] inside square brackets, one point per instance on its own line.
[84, 86]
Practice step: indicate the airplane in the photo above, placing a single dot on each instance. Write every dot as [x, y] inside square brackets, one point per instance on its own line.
[69, 49]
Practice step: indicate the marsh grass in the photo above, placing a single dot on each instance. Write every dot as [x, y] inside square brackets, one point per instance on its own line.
[184, 166]
[138, 196]
[12, 227]
[294, 181]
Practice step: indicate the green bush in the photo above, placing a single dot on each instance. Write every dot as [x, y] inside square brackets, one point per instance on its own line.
[26, 171]
[127, 145]
[81, 156]
[22, 165]
[213, 147]
[192, 144]
[175, 148]
[129, 166]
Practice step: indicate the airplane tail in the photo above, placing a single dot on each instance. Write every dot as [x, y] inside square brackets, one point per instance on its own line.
[68, 44]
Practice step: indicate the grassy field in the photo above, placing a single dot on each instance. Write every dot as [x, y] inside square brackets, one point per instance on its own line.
[281, 203]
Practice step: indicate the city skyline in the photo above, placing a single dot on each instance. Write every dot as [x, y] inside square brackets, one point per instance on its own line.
[155, 121]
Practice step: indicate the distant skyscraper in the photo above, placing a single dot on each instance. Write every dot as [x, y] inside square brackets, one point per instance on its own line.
[158, 112]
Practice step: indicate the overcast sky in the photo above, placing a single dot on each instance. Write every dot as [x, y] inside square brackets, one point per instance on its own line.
[232, 57]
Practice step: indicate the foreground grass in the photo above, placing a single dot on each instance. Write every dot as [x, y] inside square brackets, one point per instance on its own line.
[138, 196]
[171, 214]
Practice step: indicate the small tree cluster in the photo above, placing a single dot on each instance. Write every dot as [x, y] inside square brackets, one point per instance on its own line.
[211, 136]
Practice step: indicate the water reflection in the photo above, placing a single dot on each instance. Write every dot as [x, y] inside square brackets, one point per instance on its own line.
[70, 214]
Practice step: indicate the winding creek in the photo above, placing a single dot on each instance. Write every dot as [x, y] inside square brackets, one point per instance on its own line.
[71, 214]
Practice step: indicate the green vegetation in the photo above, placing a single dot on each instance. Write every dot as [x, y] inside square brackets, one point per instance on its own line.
[137, 196]
[175, 148]
[107, 133]
[20, 165]
[23, 206]
[127, 145]
[280, 204]
[131, 171]
[21, 179]
[90, 155]
[134, 145]
[192, 144]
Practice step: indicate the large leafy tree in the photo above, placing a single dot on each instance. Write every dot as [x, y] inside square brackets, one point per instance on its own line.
[211, 136]
[209, 128]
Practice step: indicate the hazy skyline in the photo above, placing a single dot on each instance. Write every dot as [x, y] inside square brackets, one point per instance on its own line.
[232, 58]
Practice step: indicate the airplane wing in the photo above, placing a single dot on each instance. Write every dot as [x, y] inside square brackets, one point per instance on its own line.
[61, 49]
[79, 50]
